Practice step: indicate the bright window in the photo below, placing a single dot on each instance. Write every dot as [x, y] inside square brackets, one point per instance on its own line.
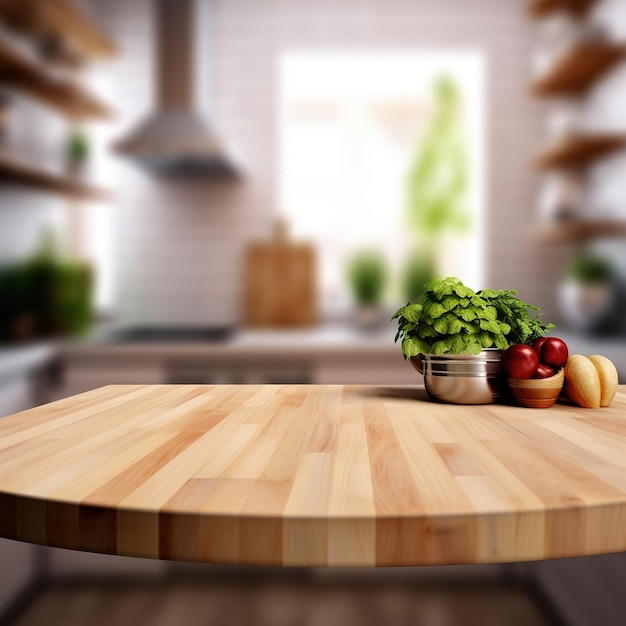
[352, 126]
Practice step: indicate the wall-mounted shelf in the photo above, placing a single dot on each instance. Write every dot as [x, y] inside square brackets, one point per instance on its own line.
[539, 9]
[576, 231]
[17, 172]
[571, 75]
[62, 19]
[580, 150]
[23, 74]
[579, 68]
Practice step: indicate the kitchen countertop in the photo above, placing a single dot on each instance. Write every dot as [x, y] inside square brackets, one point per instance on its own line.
[313, 475]
[335, 340]
[320, 340]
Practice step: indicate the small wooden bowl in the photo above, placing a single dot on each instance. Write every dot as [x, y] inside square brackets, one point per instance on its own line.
[537, 393]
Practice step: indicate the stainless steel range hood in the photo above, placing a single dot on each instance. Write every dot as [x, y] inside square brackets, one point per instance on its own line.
[175, 139]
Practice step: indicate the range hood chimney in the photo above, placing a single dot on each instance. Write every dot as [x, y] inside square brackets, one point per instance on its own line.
[175, 139]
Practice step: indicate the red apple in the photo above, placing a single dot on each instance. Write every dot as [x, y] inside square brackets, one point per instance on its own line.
[537, 345]
[543, 371]
[520, 361]
[553, 352]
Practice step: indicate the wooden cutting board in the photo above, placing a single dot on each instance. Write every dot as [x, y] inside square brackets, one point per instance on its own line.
[280, 283]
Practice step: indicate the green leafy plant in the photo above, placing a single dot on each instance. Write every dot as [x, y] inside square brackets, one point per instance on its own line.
[451, 318]
[45, 295]
[367, 275]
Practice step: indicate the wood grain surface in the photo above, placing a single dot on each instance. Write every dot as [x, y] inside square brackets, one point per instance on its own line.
[313, 476]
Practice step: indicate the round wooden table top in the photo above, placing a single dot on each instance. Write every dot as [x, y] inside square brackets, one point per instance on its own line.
[313, 475]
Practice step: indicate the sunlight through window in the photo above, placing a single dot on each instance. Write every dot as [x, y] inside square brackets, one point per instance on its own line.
[384, 151]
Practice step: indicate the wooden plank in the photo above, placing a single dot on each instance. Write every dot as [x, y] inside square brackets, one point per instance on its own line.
[579, 68]
[14, 171]
[62, 19]
[580, 150]
[68, 98]
[575, 231]
[539, 9]
[313, 476]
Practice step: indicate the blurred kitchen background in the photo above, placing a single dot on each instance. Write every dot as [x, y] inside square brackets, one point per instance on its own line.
[243, 191]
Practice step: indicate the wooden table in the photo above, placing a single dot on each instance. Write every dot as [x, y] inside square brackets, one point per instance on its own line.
[313, 476]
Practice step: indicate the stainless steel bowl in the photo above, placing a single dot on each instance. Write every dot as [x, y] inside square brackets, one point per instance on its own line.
[462, 378]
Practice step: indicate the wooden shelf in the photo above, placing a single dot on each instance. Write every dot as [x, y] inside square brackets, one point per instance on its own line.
[580, 150]
[61, 19]
[579, 68]
[17, 172]
[27, 76]
[539, 9]
[576, 231]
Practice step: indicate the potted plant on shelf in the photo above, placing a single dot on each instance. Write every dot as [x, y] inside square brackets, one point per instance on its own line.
[77, 151]
[367, 277]
[588, 293]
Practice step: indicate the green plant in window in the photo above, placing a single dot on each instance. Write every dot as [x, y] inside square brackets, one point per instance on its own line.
[437, 183]
[367, 276]
[438, 178]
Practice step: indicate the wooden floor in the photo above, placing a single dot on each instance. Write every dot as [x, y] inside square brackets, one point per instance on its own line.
[280, 603]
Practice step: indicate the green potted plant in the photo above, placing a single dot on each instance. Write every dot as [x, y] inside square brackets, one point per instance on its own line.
[588, 292]
[367, 278]
[63, 290]
[45, 295]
